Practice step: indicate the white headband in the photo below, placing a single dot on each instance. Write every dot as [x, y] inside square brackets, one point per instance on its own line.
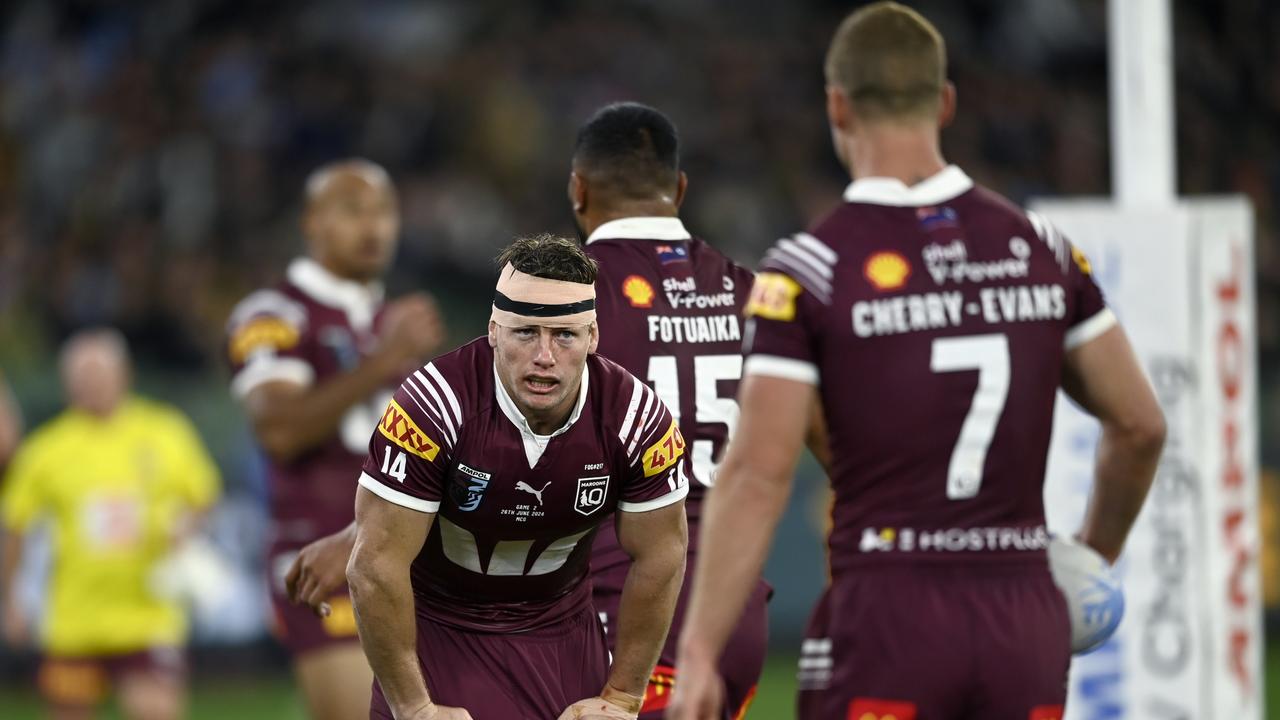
[521, 299]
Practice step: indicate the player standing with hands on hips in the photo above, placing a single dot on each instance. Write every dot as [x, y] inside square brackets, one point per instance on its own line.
[935, 321]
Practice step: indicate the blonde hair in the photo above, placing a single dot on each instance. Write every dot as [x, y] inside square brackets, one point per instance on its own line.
[890, 61]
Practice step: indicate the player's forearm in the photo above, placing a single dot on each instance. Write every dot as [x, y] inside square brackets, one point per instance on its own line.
[288, 427]
[382, 597]
[1124, 470]
[738, 523]
[644, 614]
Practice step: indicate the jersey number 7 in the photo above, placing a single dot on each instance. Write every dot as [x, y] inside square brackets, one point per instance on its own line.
[989, 355]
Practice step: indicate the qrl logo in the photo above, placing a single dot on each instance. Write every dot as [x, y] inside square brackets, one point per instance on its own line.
[591, 494]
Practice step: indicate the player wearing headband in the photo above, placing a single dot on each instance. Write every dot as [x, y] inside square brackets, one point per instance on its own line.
[485, 482]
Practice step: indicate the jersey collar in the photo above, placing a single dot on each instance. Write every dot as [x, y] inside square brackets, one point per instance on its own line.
[535, 444]
[359, 300]
[641, 228]
[946, 185]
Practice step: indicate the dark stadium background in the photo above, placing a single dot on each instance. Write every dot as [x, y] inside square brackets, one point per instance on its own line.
[151, 158]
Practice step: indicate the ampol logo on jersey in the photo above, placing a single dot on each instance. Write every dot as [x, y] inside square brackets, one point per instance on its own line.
[468, 487]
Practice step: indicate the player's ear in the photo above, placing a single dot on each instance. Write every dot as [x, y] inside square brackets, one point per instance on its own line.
[594, 332]
[681, 186]
[947, 106]
[839, 109]
[493, 334]
[577, 192]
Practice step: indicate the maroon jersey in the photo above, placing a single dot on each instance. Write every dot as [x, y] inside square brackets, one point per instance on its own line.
[516, 512]
[306, 330]
[935, 319]
[670, 311]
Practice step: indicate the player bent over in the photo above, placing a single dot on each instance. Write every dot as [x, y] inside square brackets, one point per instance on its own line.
[485, 482]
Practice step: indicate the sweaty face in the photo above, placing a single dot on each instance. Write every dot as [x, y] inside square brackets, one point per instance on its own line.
[353, 224]
[541, 368]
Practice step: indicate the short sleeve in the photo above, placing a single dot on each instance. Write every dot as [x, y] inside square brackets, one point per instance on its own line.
[1089, 316]
[789, 294]
[410, 448]
[657, 472]
[265, 342]
[191, 468]
[22, 498]
[1092, 317]
[777, 341]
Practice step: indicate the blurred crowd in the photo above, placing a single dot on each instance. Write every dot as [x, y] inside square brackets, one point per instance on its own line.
[151, 154]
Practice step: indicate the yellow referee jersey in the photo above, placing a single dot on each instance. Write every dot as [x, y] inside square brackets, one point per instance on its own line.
[114, 490]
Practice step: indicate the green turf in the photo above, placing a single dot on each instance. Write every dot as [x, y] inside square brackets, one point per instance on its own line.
[776, 694]
[274, 698]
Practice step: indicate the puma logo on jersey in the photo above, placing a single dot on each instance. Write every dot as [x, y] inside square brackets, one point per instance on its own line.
[522, 485]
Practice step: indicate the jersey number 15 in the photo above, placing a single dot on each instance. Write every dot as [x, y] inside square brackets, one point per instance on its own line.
[708, 406]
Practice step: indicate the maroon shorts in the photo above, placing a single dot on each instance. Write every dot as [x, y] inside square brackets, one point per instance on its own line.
[297, 627]
[740, 665]
[85, 681]
[531, 675]
[937, 643]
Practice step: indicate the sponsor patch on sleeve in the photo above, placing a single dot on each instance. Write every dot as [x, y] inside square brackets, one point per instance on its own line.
[1082, 260]
[399, 428]
[664, 453]
[262, 333]
[773, 297]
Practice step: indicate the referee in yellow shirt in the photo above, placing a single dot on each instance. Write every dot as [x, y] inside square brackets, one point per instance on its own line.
[121, 480]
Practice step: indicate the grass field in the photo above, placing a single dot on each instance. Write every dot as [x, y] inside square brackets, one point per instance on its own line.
[275, 699]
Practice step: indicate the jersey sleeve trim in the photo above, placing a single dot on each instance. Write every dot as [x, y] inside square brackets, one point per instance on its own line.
[672, 497]
[1090, 329]
[781, 367]
[271, 369]
[396, 497]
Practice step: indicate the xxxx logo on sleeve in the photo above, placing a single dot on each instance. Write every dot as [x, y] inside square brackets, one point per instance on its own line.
[664, 453]
[399, 428]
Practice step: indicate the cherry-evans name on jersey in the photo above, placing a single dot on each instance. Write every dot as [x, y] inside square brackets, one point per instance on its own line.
[939, 310]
